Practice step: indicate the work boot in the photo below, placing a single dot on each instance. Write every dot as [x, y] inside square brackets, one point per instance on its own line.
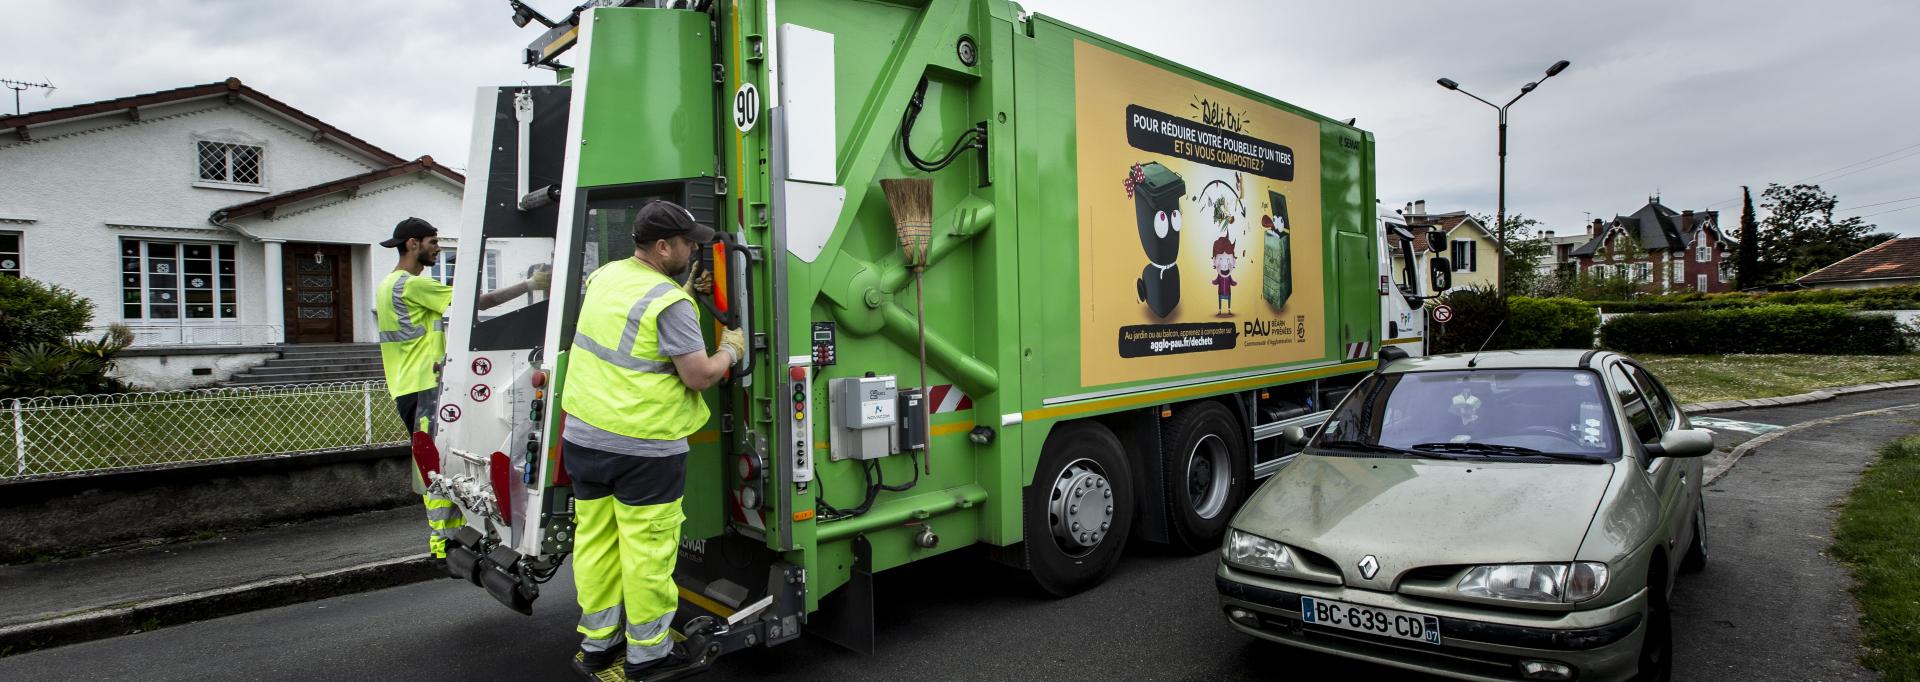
[600, 666]
[665, 665]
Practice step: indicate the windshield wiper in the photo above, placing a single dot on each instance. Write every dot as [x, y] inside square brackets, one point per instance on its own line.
[1362, 446]
[1513, 450]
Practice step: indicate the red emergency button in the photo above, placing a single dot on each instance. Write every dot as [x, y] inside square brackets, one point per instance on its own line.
[798, 373]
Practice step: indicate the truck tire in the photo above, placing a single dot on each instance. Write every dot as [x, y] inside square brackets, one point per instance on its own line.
[1206, 474]
[1078, 511]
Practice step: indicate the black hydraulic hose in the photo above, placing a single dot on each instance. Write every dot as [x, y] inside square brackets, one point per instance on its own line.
[974, 138]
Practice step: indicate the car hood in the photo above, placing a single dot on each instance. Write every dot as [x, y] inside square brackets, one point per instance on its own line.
[1410, 513]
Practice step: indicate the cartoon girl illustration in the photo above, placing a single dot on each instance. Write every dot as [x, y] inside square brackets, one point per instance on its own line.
[1223, 261]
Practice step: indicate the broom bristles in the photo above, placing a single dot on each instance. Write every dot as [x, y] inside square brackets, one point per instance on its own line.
[911, 201]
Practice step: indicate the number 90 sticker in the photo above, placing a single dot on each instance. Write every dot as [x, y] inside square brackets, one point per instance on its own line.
[746, 107]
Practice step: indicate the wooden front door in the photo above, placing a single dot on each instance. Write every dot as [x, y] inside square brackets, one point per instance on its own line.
[319, 293]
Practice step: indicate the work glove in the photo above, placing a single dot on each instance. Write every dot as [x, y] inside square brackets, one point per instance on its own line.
[540, 280]
[735, 341]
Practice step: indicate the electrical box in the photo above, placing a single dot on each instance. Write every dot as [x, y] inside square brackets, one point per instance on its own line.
[912, 434]
[865, 411]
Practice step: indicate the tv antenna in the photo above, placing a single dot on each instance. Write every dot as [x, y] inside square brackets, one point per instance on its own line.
[17, 86]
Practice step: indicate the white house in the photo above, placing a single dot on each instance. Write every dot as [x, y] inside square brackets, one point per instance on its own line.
[218, 223]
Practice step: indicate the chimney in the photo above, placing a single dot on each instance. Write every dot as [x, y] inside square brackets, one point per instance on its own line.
[1595, 229]
[1549, 235]
[1420, 207]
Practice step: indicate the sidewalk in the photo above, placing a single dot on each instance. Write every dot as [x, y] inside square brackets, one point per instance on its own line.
[116, 593]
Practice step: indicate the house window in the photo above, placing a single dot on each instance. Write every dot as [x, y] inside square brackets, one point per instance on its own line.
[442, 270]
[177, 280]
[1724, 272]
[1642, 272]
[1465, 256]
[228, 162]
[10, 262]
[1676, 272]
[1703, 253]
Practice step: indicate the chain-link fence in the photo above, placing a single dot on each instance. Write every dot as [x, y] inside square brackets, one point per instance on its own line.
[73, 435]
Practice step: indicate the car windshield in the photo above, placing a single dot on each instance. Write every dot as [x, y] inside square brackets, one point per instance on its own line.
[1551, 414]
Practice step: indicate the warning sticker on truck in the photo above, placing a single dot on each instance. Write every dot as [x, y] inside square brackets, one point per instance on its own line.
[1201, 235]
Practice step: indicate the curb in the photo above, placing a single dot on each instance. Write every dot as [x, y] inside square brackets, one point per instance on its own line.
[1718, 470]
[1821, 395]
[180, 609]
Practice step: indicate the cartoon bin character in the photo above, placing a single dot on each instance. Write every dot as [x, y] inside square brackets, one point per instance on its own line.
[1277, 275]
[1156, 193]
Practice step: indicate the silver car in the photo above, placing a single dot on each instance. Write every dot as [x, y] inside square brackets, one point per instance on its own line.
[1517, 515]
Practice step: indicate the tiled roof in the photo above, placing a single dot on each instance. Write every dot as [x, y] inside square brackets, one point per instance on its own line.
[1891, 259]
[22, 124]
[263, 204]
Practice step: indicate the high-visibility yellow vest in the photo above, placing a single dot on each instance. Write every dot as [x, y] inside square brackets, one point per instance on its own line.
[409, 310]
[616, 378]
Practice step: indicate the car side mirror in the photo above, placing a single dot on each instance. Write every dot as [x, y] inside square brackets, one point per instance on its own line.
[1436, 241]
[1294, 436]
[1683, 443]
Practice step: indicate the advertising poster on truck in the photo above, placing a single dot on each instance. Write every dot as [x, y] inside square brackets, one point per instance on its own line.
[1200, 226]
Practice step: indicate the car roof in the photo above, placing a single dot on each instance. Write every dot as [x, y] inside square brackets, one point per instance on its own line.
[1503, 359]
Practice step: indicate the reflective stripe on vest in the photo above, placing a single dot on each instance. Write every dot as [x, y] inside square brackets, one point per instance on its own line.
[623, 356]
[408, 330]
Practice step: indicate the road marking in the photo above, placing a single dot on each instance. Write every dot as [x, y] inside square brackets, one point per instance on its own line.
[1755, 428]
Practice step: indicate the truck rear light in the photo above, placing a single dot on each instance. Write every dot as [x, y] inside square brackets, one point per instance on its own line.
[720, 276]
[747, 468]
[500, 471]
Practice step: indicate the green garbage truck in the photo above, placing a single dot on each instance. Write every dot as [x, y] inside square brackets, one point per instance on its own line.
[1005, 282]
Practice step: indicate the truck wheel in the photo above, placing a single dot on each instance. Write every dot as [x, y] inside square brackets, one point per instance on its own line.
[1078, 510]
[1206, 475]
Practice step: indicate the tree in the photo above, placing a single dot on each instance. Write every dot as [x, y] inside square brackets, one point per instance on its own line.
[1749, 272]
[1801, 234]
[1526, 250]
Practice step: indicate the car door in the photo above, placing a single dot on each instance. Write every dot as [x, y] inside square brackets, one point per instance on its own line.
[1650, 418]
[1688, 470]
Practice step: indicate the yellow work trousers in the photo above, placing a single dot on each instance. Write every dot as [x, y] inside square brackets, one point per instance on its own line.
[623, 557]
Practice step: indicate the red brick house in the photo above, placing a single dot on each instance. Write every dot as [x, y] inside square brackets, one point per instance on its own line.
[1661, 250]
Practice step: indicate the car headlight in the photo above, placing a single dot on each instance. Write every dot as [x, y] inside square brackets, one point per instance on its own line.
[1541, 583]
[1252, 551]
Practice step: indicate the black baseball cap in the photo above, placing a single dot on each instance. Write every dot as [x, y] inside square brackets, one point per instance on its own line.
[411, 228]
[660, 219]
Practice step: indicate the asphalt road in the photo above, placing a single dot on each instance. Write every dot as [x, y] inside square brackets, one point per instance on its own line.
[1770, 606]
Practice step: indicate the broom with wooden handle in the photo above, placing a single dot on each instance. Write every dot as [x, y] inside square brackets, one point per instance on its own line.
[911, 201]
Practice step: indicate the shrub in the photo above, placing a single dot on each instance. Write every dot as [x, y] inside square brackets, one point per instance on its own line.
[1549, 323]
[1879, 298]
[72, 368]
[35, 312]
[1814, 329]
[1477, 311]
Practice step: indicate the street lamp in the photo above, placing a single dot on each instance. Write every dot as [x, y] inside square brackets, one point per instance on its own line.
[1500, 217]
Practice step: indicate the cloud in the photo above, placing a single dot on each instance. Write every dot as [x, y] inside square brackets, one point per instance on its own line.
[1690, 100]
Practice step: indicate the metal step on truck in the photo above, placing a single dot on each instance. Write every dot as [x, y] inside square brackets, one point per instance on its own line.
[1005, 283]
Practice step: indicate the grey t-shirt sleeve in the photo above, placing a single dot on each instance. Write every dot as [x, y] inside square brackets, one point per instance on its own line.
[679, 329]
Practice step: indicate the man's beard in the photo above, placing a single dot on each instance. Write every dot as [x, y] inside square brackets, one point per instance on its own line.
[425, 259]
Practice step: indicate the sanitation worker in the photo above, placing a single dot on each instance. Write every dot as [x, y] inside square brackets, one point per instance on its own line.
[633, 384]
[410, 311]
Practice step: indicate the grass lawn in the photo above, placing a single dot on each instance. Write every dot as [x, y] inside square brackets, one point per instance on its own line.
[1704, 378]
[1878, 538]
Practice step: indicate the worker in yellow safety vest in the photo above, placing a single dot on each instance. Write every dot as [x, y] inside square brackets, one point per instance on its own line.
[411, 310]
[633, 383]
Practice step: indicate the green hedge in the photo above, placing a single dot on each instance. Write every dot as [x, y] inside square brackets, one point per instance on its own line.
[1880, 298]
[1814, 329]
[1522, 322]
[1549, 323]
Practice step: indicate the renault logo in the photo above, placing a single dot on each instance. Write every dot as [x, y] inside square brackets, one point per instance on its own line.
[1369, 566]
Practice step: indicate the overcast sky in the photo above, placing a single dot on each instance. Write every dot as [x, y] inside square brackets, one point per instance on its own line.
[1690, 99]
